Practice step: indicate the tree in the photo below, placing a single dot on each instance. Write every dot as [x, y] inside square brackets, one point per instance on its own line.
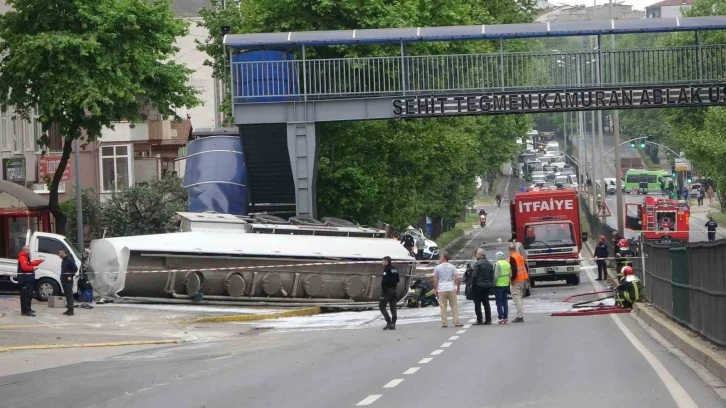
[92, 216]
[85, 64]
[145, 208]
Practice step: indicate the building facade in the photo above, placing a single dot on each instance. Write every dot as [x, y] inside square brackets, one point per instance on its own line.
[668, 9]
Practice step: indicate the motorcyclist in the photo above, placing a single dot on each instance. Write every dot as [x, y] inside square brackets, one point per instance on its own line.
[624, 256]
[499, 200]
[629, 290]
[482, 218]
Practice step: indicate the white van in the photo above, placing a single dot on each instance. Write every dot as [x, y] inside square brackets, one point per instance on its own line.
[43, 245]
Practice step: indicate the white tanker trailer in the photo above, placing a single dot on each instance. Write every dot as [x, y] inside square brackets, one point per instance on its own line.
[225, 257]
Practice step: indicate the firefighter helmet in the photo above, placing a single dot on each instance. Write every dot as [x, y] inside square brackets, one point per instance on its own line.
[628, 270]
[623, 243]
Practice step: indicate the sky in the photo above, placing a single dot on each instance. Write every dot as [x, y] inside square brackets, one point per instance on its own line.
[637, 4]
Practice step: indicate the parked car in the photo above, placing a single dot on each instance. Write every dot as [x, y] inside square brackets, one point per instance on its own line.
[694, 189]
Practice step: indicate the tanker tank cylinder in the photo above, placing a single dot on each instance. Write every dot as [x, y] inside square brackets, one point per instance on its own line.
[354, 286]
[271, 283]
[235, 285]
[193, 283]
[313, 285]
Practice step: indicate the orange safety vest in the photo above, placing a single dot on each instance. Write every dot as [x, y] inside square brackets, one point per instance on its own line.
[522, 274]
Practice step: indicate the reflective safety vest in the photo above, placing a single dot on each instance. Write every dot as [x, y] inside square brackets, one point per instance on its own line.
[522, 274]
[505, 273]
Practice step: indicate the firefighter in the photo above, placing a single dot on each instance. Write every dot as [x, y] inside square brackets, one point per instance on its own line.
[623, 257]
[629, 290]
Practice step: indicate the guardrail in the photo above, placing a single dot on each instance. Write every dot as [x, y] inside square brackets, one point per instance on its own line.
[276, 81]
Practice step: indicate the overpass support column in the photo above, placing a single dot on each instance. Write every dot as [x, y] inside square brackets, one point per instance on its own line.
[302, 147]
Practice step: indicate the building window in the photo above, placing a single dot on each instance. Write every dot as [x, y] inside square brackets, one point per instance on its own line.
[18, 135]
[6, 130]
[33, 132]
[116, 165]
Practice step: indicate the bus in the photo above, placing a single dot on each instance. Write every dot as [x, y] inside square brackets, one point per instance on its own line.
[634, 177]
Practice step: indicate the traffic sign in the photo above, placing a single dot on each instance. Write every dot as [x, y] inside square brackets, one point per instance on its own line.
[604, 211]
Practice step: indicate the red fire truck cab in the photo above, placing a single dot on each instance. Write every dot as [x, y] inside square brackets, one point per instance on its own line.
[547, 224]
[660, 219]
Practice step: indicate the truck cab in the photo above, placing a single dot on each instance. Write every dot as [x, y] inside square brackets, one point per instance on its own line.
[43, 245]
[547, 224]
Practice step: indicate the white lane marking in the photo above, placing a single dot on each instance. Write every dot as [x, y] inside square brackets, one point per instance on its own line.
[679, 394]
[369, 400]
[393, 383]
[436, 352]
[447, 344]
[461, 332]
[466, 326]
[411, 370]
[454, 338]
[425, 360]
[472, 320]
[219, 358]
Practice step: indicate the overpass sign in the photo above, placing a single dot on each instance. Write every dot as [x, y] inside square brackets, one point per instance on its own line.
[482, 103]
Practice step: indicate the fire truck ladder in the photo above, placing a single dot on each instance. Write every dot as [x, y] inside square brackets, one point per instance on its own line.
[649, 218]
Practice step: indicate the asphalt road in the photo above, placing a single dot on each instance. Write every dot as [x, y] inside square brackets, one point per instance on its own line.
[328, 361]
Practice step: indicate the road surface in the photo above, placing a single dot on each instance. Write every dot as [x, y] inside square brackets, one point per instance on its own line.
[346, 360]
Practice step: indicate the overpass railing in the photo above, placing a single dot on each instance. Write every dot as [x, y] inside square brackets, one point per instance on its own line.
[316, 79]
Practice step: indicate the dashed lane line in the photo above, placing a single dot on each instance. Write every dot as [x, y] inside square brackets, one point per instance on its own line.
[436, 352]
[369, 400]
[447, 344]
[425, 360]
[454, 338]
[393, 383]
[472, 320]
[466, 326]
[461, 332]
[411, 370]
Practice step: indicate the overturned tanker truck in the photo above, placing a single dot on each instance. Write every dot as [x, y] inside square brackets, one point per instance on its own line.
[239, 258]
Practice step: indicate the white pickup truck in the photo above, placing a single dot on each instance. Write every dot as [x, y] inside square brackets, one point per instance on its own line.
[43, 245]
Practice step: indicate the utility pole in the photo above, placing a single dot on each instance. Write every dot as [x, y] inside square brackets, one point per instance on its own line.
[616, 133]
[564, 128]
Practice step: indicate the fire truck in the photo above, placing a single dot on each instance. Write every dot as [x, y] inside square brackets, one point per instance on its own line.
[660, 219]
[547, 224]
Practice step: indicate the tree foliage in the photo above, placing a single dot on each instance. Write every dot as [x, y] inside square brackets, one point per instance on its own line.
[145, 208]
[92, 216]
[396, 170]
[84, 64]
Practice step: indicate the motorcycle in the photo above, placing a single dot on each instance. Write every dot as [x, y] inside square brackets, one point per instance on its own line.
[483, 220]
[422, 295]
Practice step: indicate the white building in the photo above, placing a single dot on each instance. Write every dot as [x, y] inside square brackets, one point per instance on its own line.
[668, 9]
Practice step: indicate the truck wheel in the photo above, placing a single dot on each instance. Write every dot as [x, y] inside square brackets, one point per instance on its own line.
[46, 288]
[574, 280]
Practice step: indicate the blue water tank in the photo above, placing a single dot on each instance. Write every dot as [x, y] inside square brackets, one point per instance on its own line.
[216, 175]
[265, 76]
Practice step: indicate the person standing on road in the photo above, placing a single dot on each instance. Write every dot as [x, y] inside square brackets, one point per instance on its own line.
[482, 280]
[68, 271]
[711, 227]
[601, 255]
[502, 276]
[447, 287]
[710, 194]
[408, 242]
[26, 280]
[389, 295]
[520, 280]
[662, 187]
[420, 245]
[701, 195]
[671, 188]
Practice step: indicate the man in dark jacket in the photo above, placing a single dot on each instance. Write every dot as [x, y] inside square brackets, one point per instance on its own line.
[68, 271]
[711, 226]
[482, 281]
[26, 280]
[389, 295]
[408, 242]
[601, 255]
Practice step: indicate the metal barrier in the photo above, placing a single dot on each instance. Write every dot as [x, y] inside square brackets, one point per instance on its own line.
[317, 79]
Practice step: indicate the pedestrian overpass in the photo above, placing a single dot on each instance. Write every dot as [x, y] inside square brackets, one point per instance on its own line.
[279, 94]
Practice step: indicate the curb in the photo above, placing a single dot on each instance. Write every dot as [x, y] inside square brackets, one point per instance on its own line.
[690, 344]
[307, 311]
[85, 345]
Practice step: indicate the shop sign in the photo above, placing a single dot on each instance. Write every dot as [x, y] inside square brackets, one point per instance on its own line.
[47, 166]
[14, 169]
